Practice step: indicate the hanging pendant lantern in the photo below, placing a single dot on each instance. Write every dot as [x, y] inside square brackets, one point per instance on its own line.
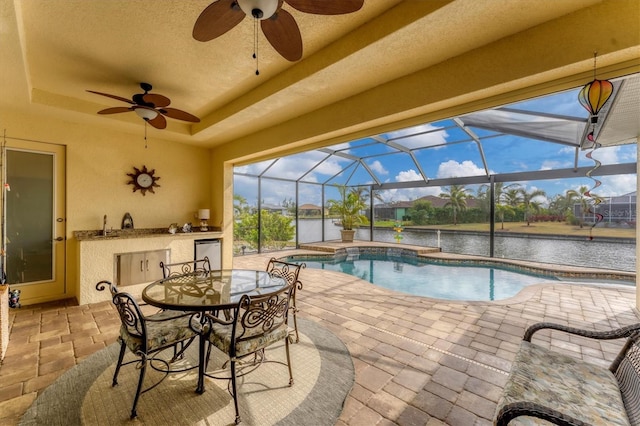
[594, 95]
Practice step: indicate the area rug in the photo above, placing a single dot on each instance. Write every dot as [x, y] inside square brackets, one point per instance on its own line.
[322, 370]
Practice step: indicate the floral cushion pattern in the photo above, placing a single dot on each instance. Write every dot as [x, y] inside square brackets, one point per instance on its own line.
[577, 389]
[161, 331]
[221, 338]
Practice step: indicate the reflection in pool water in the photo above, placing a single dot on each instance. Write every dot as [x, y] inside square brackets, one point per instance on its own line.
[421, 277]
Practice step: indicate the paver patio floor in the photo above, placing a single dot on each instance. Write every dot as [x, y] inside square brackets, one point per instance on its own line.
[419, 361]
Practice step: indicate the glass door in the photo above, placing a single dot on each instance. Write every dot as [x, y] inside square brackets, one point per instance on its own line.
[34, 220]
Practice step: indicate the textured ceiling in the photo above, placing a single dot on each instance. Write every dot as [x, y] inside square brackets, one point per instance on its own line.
[59, 49]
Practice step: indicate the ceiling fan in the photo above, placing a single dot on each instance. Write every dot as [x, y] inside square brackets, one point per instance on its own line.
[151, 107]
[278, 25]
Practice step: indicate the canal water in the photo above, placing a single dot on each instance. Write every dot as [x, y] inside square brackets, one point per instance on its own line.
[597, 253]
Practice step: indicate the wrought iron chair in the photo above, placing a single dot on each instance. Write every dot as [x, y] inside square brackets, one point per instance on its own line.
[565, 390]
[257, 322]
[290, 272]
[182, 268]
[147, 336]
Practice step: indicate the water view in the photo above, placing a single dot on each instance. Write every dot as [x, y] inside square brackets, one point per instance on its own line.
[596, 253]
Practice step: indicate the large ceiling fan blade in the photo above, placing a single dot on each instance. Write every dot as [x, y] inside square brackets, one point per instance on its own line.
[115, 110]
[179, 115]
[216, 19]
[159, 122]
[157, 100]
[326, 7]
[112, 96]
[284, 35]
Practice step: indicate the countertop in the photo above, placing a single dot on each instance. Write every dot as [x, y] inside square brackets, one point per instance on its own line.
[96, 234]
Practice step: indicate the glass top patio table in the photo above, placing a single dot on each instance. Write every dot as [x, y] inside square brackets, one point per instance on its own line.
[219, 289]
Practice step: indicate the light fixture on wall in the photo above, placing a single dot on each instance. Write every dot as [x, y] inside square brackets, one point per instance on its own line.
[204, 215]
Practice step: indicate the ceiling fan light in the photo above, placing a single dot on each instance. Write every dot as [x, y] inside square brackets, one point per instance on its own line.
[146, 114]
[259, 9]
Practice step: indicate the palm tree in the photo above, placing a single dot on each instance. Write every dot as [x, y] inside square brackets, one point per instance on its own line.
[239, 204]
[511, 197]
[457, 199]
[528, 203]
[583, 195]
[562, 204]
[483, 199]
[363, 193]
[349, 208]
[500, 191]
[501, 210]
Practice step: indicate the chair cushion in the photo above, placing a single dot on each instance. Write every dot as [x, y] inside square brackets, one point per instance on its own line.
[575, 388]
[162, 331]
[221, 338]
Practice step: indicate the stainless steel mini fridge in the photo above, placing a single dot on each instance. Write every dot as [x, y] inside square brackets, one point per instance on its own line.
[212, 248]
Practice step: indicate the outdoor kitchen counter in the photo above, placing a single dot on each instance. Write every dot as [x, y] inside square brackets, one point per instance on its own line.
[96, 235]
[97, 255]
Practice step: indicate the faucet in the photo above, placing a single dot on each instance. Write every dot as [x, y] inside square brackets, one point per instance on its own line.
[104, 226]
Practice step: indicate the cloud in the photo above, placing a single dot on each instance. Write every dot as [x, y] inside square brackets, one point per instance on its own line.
[409, 176]
[613, 154]
[378, 168]
[409, 194]
[553, 165]
[422, 136]
[253, 169]
[616, 185]
[295, 166]
[452, 168]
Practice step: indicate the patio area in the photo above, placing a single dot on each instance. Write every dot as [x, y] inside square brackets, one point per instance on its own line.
[418, 361]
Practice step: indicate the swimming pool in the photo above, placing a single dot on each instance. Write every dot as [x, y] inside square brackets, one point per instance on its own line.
[423, 277]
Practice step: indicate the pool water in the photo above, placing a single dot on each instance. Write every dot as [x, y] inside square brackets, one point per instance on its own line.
[423, 278]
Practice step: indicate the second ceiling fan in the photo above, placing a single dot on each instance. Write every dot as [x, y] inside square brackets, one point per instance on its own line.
[151, 107]
[278, 25]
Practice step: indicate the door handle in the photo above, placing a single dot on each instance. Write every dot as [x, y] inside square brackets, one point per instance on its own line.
[60, 239]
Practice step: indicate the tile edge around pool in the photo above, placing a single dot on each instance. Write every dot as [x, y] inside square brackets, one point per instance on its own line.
[545, 269]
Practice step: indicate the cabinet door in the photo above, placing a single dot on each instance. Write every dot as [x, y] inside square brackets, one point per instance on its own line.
[152, 264]
[131, 268]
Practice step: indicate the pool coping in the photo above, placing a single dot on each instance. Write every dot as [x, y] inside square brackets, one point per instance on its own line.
[436, 255]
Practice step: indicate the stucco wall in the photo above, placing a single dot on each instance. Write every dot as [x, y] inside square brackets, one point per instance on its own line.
[4, 320]
[97, 163]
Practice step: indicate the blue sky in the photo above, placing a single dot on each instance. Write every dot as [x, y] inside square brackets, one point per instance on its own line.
[442, 150]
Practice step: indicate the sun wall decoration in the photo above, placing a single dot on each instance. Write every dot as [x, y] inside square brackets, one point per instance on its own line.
[143, 180]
